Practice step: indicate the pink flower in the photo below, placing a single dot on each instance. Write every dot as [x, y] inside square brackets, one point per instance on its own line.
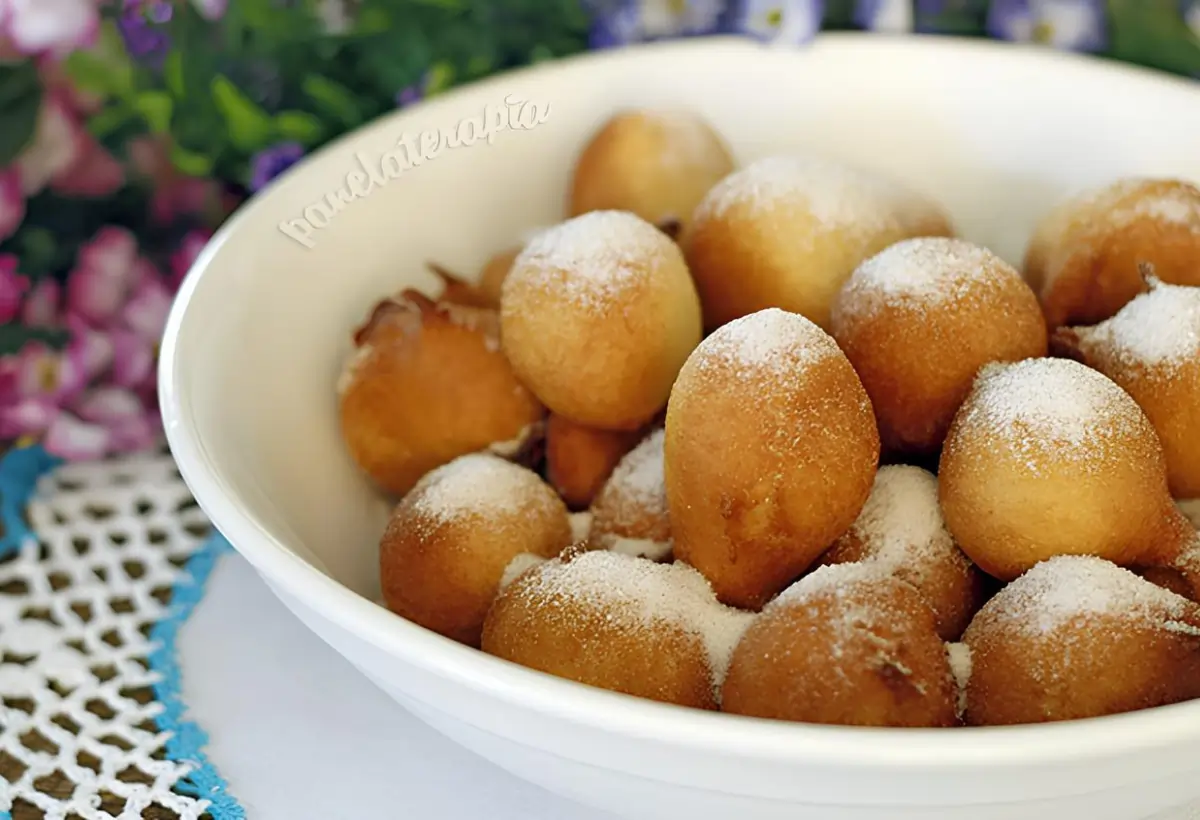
[71, 439]
[94, 172]
[12, 287]
[131, 426]
[145, 313]
[12, 201]
[105, 272]
[56, 146]
[41, 305]
[58, 26]
[133, 360]
[93, 351]
[211, 9]
[44, 374]
[174, 194]
[185, 256]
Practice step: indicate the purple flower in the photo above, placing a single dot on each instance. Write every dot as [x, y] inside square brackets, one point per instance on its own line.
[271, 162]
[410, 94]
[13, 287]
[892, 16]
[786, 22]
[139, 25]
[1074, 25]
[620, 22]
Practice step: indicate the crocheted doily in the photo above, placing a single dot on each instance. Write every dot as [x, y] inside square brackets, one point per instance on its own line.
[100, 563]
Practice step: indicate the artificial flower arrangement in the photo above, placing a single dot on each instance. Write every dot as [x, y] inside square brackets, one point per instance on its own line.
[132, 128]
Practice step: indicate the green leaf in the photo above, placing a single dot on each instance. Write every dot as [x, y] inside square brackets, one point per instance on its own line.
[190, 162]
[299, 126]
[155, 108]
[173, 73]
[13, 337]
[248, 125]
[441, 77]
[1153, 33]
[105, 69]
[20, 102]
[332, 99]
[109, 119]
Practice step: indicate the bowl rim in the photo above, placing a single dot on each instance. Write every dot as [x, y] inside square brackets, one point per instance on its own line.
[730, 735]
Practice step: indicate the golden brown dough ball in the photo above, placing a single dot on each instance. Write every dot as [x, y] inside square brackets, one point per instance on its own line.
[770, 453]
[656, 164]
[619, 623]
[597, 315]
[1084, 255]
[426, 384]
[847, 645]
[1151, 348]
[919, 319]
[786, 232]
[579, 459]
[450, 540]
[495, 271]
[1048, 457]
[1079, 637]
[901, 529]
[630, 514]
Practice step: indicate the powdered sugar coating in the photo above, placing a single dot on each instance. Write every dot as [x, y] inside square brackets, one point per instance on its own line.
[595, 259]
[925, 272]
[959, 655]
[1071, 590]
[836, 195]
[901, 525]
[770, 343]
[1158, 329]
[482, 485]
[1042, 407]
[632, 504]
[517, 567]
[840, 579]
[581, 525]
[639, 547]
[642, 595]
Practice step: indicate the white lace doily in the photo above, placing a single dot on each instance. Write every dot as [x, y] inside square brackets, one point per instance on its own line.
[91, 595]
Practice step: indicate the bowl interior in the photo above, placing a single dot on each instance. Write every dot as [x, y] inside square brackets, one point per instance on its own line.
[995, 133]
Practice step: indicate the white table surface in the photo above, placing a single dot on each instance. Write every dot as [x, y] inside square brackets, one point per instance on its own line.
[299, 734]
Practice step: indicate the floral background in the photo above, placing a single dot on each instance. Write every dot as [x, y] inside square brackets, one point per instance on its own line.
[129, 129]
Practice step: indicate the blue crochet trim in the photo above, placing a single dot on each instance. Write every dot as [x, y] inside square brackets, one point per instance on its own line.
[20, 470]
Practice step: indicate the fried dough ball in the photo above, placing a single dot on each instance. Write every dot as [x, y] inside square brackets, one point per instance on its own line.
[770, 453]
[449, 541]
[1151, 348]
[1078, 637]
[620, 623]
[656, 164]
[786, 232]
[428, 383]
[848, 645]
[1084, 255]
[580, 459]
[919, 319]
[630, 513]
[918, 214]
[597, 315]
[495, 271]
[1048, 457]
[901, 529]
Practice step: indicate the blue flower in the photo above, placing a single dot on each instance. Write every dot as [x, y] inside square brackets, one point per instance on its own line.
[1190, 9]
[410, 94]
[1075, 25]
[884, 15]
[271, 162]
[779, 21]
[621, 22]
[139, 24]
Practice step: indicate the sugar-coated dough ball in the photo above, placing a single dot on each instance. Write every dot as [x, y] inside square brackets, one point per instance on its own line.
[450, 540]
[597, 316]
[770, 453]
[1048, 457]
[919, 319]
[1151, 348]
[426, 384]
[620, 623]
[1079, 637]
[848, 645]
[1084, 256]
[786, 232]
[579, 459]
[902, 530]
[656, 164]
[630, 514]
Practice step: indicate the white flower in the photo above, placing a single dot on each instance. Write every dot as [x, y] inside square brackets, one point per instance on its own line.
[893, 16]
[37, 26]
[786, 22]
[673, 18]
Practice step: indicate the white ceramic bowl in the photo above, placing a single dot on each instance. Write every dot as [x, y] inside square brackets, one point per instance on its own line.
[258, 333]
